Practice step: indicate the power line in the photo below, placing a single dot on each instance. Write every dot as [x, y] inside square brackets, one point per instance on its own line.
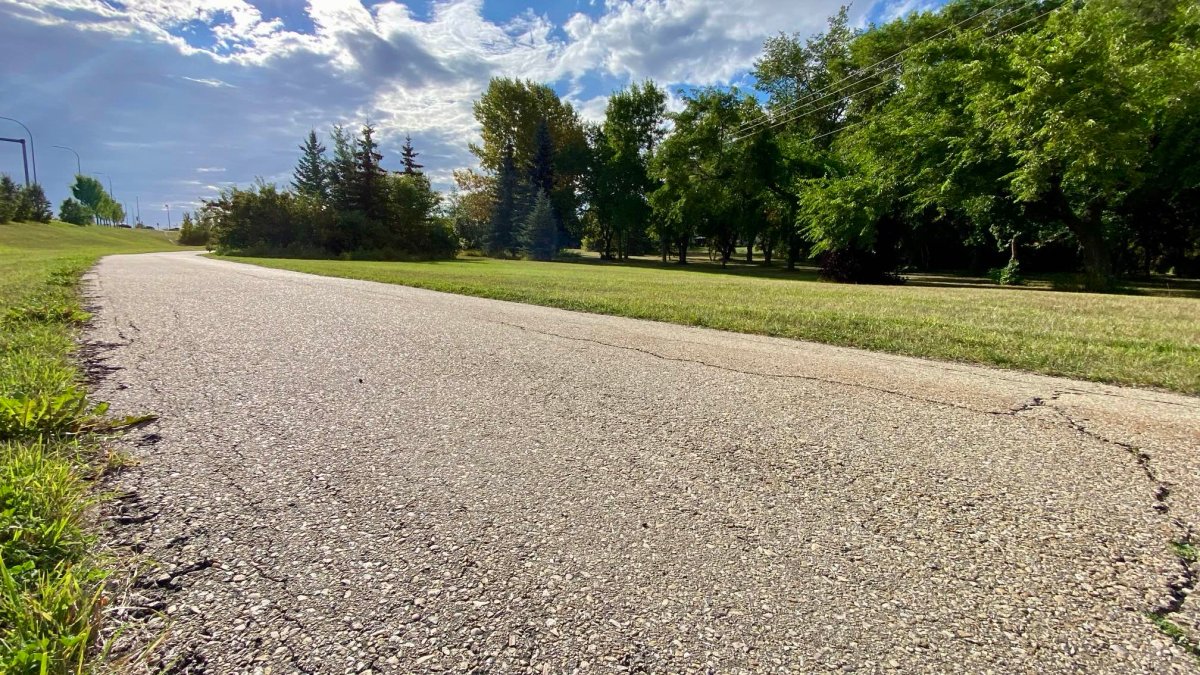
[785, 110]
[742, 130]
[800, 114]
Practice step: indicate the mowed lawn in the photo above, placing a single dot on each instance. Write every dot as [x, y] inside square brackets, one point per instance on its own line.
[1126, 339]
[27, 249]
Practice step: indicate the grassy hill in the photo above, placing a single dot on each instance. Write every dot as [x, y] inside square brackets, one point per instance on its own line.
[27, 248]
[49, 456]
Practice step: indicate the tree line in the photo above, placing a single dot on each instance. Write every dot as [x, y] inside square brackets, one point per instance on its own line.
[90, 203]
[1003, 135]
[1061, 135]
[342, 203]
[19, 203]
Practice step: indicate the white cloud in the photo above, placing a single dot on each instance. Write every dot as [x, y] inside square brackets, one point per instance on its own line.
[684, 41]
[407, 72]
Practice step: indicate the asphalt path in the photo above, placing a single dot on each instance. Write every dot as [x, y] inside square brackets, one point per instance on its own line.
[350, 476]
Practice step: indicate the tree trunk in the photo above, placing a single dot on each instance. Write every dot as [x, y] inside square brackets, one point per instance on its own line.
[793, 254]
[665, 246]
[1097, 263]
[768, 247]
[750, 249]
[683, 248]
[1089, 230]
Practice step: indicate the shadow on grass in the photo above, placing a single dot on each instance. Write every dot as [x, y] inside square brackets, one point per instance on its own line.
[1159, 286]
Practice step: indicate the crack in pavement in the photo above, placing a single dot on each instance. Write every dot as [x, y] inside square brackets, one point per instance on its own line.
[1178, 589]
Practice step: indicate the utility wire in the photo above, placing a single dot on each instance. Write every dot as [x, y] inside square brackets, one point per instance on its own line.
[810, 100]
[800, 114]
[786, 110]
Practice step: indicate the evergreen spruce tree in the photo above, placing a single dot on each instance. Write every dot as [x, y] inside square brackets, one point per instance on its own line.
[339, 172]
[10, 198]
[409, 157]
[39, 208]
[501, 239]
[369, 189]
[539, 232]
[541, 175]
[309, 178]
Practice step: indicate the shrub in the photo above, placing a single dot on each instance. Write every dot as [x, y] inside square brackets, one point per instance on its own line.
[74, 212]
[10, 199]
[853, 265]
[193, 231]
[37, 206]
[1009, 275]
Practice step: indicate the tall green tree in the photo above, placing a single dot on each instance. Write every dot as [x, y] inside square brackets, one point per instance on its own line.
[10, 198]
[539, 231]
[39, 206]
[502, 239]
[408, 157]
[368, 191]
[90, 191]
[1079, 116]
[341, 170]
[709, 184]
[621, 149]
[309, 177]
[807, 82]
[509, 113]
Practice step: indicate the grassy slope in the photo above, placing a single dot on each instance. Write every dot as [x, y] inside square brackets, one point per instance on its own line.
[1134, 340]
[49, 579]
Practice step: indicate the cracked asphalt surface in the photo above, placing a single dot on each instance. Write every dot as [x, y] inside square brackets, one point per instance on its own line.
[349, 476]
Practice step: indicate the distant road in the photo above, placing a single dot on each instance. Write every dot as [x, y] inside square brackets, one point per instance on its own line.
[351, 476]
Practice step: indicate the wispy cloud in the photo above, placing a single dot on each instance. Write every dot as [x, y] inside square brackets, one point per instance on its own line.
[208, 82]
[256, 83]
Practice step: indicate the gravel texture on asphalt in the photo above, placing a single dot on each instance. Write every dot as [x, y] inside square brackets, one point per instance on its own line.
[349, 476]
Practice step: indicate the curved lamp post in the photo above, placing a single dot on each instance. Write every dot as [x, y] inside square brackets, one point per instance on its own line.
[32, 153]
[78, 164]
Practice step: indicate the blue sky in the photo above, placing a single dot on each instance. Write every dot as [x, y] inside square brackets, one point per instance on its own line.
[173, 99]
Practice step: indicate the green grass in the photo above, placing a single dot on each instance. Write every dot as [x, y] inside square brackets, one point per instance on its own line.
[1176, 633]
[1186, 551]
[50, 579]
[1125, 339]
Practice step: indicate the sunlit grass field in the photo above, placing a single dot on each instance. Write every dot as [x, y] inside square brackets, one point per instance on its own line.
[1126, 339]
[50, 578]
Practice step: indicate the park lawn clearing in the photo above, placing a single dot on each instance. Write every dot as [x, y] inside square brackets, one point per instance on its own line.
[50, 455]
[1121, 339]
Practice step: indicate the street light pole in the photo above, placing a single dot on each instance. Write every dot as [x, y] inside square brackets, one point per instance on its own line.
[32, 153]
[24, 157]
[168, 215]
[110, 189]
[78, 164]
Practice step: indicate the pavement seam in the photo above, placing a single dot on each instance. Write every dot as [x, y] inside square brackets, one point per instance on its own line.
[1032, 403]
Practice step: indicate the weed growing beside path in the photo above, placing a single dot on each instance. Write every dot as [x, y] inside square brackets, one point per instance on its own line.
[50, 577]
[1133, 340]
